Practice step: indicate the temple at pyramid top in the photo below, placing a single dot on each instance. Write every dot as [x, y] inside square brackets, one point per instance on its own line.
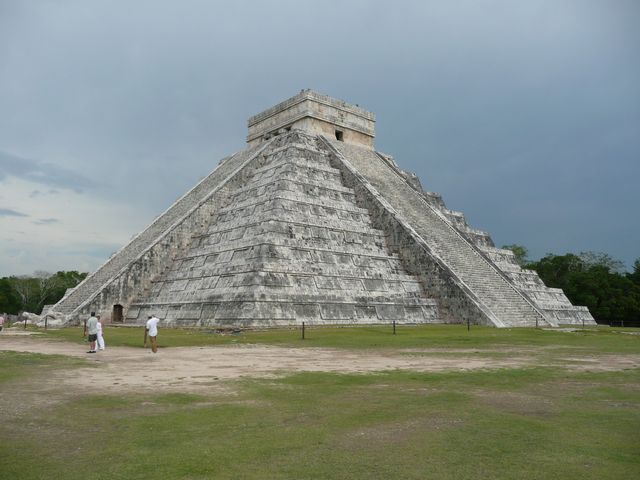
[315, 114]
[309, 223]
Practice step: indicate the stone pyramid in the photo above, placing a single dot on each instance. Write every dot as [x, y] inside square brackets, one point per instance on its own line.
[310, 223]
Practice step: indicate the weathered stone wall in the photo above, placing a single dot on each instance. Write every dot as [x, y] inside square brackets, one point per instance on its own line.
[329, 129]
[289, 246]
[455, 301]
[555, 306]
[129, 271]
[314, 113]
[138, 275]
[315, 226]
[488, 286]
[552, 301]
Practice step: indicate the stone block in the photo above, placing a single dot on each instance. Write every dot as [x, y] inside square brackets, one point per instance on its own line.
[337, 312]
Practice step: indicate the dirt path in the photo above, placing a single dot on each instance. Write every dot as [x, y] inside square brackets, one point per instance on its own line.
[204, 368]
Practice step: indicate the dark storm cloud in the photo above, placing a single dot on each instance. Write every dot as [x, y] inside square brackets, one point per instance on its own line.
[44, 173]
[7, 212]
[524, 115]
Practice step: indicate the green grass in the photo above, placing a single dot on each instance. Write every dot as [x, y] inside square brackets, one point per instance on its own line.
[16, 365]
[602, 340]
[533, 423]
[519, 423]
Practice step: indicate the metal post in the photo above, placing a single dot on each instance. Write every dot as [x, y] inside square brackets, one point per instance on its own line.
[394, 327]
[46, 319]
[468, 324]
[303, 330]
[25, 322]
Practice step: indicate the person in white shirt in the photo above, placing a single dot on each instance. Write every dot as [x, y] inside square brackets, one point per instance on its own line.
[100, 337]
[91, 327]
[151, 329]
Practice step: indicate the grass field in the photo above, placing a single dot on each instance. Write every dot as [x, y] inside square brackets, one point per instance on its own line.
[430, 336]
[520, 423]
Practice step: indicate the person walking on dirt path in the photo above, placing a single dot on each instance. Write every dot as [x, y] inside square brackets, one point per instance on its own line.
[91, 327]
[1, 321]
[100, 335]
[151, 329]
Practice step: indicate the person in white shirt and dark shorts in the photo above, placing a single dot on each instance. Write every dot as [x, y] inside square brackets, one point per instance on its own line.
[151, 329]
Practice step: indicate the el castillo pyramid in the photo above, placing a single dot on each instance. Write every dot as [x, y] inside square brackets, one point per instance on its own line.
[310, 223]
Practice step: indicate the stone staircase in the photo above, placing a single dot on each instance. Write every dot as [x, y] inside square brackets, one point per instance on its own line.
[162, 225]
[300, 227]
[552, 302]
[466, 263]
[290, 245]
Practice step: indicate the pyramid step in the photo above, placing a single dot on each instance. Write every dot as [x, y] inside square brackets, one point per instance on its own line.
[458, 254]
[284, 231]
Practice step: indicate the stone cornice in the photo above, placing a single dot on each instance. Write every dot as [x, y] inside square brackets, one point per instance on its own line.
[317, 97]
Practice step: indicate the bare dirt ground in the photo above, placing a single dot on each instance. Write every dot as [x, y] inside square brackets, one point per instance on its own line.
[192, 369]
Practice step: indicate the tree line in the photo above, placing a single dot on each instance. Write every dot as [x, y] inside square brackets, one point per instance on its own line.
[29, 293]
[595, 280]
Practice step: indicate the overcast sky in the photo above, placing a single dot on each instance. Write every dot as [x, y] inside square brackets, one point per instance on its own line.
[525, 115]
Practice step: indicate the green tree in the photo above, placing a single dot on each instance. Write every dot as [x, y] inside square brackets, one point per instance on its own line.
[555, 270]
[9, 300]
[61, 281]
[26, 289]
[593, 280]
[593, 259]
[43, 288]
[635, 275]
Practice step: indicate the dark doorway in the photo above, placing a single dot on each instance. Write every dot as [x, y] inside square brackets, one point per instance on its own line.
[339, 135]
[117, 315]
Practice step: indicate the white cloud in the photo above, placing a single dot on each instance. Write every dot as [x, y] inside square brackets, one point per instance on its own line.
[65, 231]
